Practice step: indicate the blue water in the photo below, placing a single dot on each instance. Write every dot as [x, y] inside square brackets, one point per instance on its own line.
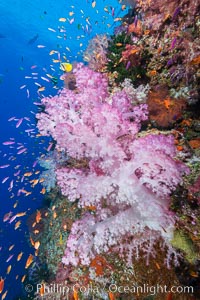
[24, 25]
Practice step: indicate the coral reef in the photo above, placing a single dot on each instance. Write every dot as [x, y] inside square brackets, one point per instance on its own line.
[124, 207]
[112, 170]
[172, 40]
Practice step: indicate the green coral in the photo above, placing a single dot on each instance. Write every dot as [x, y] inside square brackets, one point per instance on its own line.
[183, 242]
[116, 45]
[61, 215]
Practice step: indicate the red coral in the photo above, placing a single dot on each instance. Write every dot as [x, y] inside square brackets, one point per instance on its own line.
[164, 110]
[132, 54]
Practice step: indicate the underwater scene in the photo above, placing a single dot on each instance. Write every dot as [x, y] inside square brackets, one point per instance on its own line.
[100, 150]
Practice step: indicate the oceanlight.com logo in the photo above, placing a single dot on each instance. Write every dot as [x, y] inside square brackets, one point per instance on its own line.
[61, 289]
[150, 290]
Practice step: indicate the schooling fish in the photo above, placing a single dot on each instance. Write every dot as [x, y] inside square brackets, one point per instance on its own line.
[19, 256]
[29, 261]
[7, 216]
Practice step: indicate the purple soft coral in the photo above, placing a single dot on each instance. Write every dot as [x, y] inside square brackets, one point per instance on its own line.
[127, 178]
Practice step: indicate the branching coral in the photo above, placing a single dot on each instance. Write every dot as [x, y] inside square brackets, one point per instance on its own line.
[126, 179]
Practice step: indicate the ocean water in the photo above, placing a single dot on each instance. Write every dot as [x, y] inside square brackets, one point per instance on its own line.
[29, 30]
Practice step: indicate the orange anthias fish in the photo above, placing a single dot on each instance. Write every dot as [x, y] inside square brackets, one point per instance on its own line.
[29, 261]
[19, 256]
[32, 241]
[37, 245]
[34, 182]
[1, 284]
[9, 269]
[4, 295]
[111, 296]
[38, 217]
[43, 191]
[17, 225]
[42, 290]
[21, 214]
[75, 295]
[23, 278]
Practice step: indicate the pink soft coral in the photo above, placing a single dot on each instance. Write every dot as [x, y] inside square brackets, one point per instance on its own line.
[128, 179]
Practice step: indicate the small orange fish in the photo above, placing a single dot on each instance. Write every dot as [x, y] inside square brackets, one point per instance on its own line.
[32, 241]
[28, 174]
[179, 148]
[15, 204]
[11, 247]
[62, 20]
[28, 193]
[21, 214]
[54, 215]
[56, 60]
[34, 224]
[34, 182]
[29, 261]
[167, 103]
[51, 53]
[111, 296]
[166, 17]
[157, 265]
[41, 89]
[152, 73]
[146, 32]
[41, 180]
[37, 245]
[75, 295]
[17, 225]
[119, 44]
[1, 284]
[19, 256]
[9, 269]
[24, 191]
[91, 207]
[38, 217]
[117, 19]
[43, 191]
[4, 295]
[23, 278]
[42, 290]
[194, 274]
